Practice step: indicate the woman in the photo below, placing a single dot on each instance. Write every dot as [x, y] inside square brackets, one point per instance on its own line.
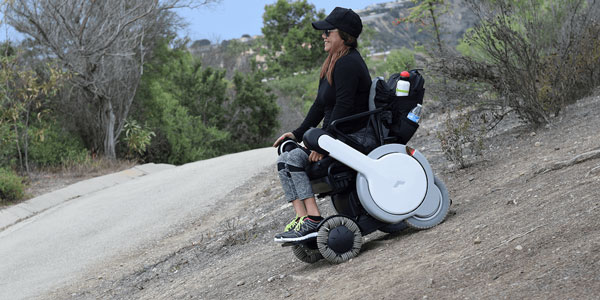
[343, 91]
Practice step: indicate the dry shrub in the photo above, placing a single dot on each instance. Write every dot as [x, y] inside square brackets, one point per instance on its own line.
[463, 137]
[537, 56]
[89, 166]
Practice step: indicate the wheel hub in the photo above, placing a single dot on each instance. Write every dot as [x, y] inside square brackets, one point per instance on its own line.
[341, 239]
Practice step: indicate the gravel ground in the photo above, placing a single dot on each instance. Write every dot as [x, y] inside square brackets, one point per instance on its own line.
[523, 225]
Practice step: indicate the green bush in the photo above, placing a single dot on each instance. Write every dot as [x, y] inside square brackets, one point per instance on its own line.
[254, 110]
[300, 88]
[137, 138]
[8, 150]
[11, 186]
[52, 146]
[180, 137]
[399, 60]
[190, 112]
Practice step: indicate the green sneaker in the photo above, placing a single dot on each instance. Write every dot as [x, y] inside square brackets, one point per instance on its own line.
[291, 226]
[305, 229]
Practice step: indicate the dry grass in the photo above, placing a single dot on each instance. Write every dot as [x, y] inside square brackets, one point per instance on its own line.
[44, 180]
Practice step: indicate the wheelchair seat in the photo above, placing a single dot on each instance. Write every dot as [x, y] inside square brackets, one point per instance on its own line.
[329, 176]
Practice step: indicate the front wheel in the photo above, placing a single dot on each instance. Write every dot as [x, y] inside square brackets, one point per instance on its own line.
[339, 239]
[307, 255]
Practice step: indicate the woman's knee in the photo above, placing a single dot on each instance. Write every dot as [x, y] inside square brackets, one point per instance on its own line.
[283, 158]
[297, 157]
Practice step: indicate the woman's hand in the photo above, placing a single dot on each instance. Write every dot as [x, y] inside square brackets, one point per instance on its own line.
[315, 156]
[282, 137]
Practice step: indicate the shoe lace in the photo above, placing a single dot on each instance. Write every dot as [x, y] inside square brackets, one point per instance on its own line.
[299, 224]
[292, 224]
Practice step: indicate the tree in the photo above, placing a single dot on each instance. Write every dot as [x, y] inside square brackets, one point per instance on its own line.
[255, 111]
[200, 43]
[430, 10]
[181, 102]
[400, 60]
[23, 94]
[103, 45]
[188, 107]
[293, 44]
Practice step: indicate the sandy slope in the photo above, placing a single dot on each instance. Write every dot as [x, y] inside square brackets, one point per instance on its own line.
[524, 225]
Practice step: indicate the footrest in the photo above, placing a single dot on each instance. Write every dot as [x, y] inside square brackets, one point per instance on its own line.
[302, 242]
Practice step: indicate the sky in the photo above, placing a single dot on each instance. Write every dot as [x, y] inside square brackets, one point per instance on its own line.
[232, 18]
[229, 19]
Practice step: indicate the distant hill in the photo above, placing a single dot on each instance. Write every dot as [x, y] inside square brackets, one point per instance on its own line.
[381, 17]
[390, 35]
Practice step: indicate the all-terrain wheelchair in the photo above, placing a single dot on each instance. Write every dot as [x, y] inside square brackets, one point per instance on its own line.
[388, 188]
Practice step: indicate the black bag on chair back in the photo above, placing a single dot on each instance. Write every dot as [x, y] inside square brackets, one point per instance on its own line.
[401, 129]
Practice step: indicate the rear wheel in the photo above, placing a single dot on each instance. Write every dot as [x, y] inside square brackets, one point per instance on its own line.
[440, 213]
[394, 228]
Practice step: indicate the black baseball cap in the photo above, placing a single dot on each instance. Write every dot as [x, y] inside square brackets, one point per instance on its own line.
[343, 19]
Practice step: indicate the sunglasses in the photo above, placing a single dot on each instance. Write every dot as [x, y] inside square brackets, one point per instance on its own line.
[328, 31]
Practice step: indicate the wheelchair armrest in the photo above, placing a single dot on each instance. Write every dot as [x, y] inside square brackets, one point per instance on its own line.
[311, 139]
[287, 145]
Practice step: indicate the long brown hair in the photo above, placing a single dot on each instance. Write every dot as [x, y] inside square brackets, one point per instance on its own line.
[335, 54]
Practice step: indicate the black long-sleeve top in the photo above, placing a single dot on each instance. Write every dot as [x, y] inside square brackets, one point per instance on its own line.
[348, 95]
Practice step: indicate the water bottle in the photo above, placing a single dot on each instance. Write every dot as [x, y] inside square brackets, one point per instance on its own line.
[403, 85]
[415, 113]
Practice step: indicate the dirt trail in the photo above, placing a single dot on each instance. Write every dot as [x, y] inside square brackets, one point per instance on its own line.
[523, 225]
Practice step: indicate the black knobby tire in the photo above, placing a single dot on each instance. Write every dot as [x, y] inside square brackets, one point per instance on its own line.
[348, 243]
[306, 254]
[440, 214]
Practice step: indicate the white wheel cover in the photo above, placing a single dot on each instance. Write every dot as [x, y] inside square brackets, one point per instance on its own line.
[404, 186]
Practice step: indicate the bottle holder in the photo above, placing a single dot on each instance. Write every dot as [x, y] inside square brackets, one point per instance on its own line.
[404, 130]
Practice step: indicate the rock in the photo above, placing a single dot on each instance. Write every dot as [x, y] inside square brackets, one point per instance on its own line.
[477, 241]
[537, 144]
[271, 279]
[532, 134]
[240, 283]
[287, 294]
[519, 248]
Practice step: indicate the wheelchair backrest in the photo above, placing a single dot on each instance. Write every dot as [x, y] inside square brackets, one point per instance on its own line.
[397, 127]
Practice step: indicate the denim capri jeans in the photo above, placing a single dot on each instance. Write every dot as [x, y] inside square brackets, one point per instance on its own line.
[291, 166]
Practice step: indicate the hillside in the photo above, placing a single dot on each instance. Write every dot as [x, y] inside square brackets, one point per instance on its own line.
[380, 17]
[389, 35]
[523, 225]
